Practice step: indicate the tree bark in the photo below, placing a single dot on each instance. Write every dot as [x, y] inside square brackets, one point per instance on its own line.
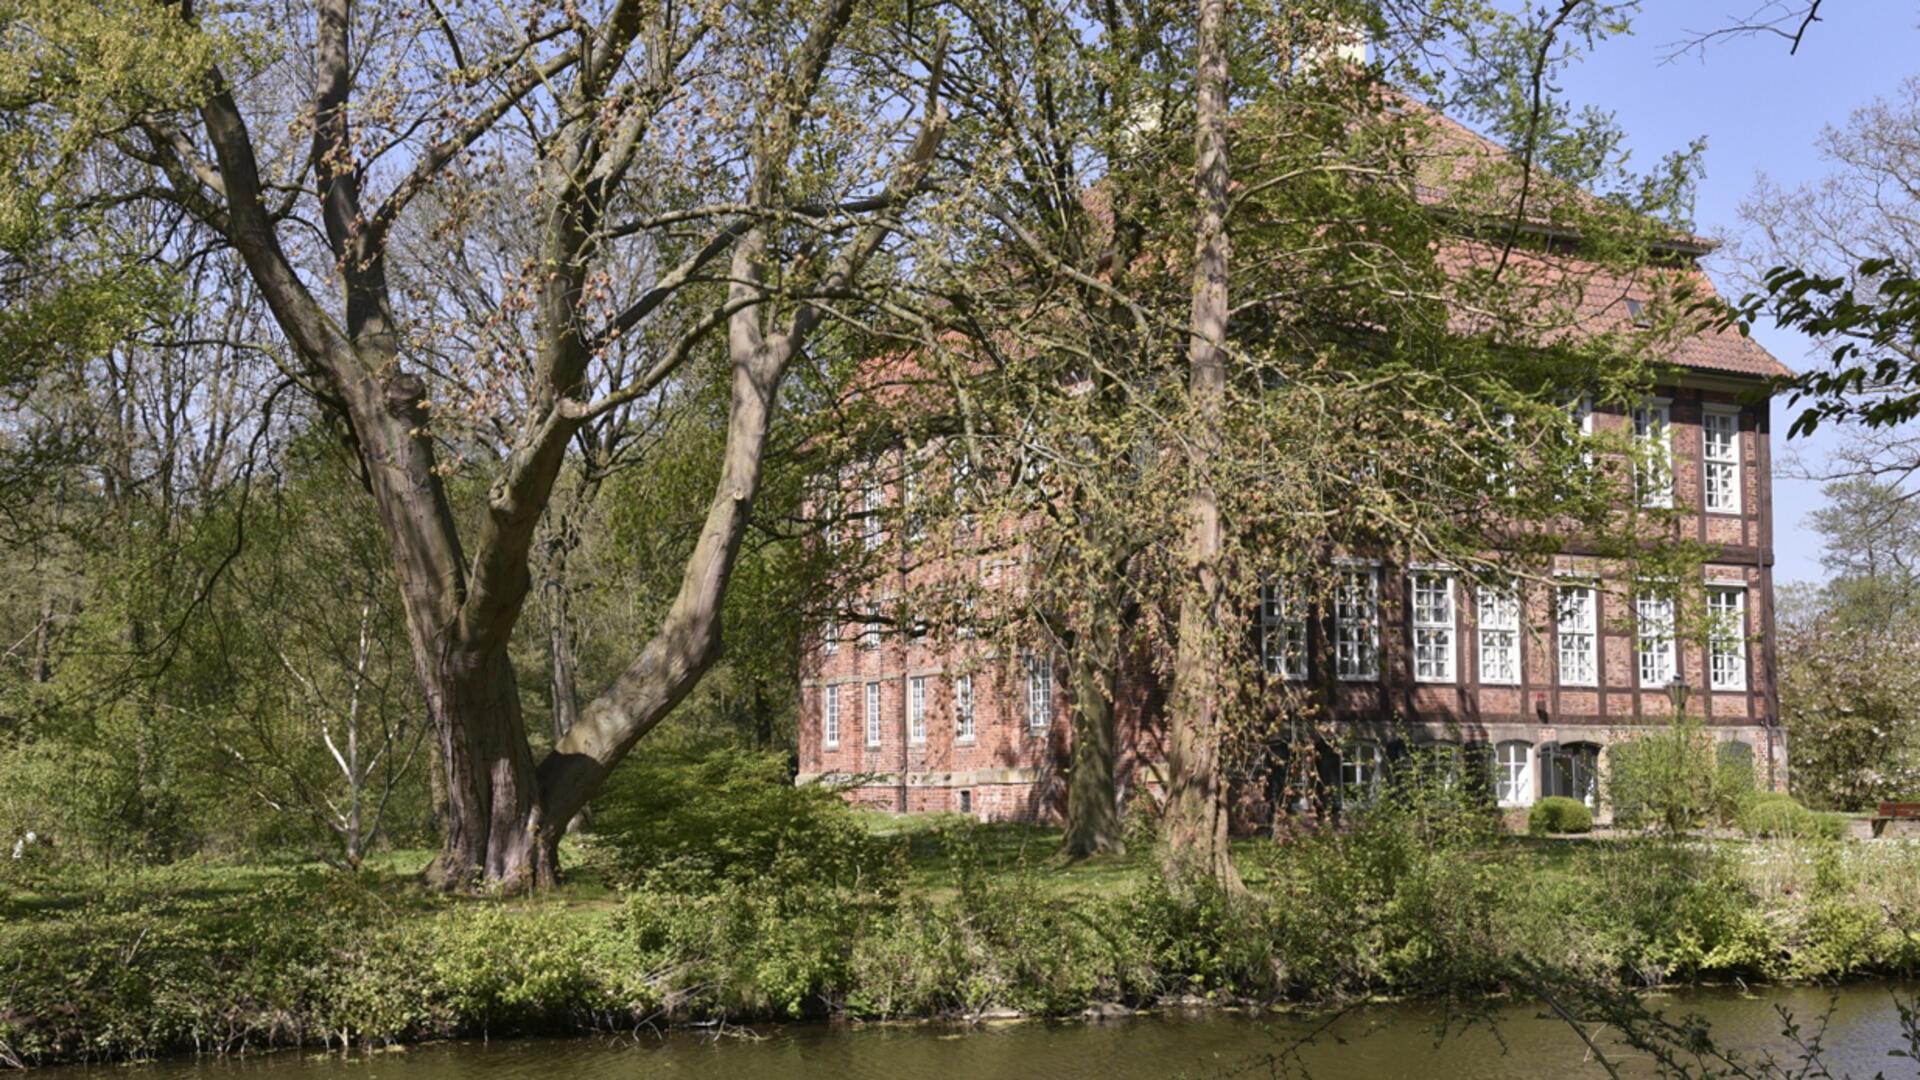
[503, 818]
[1196, 818]
[1093, 812]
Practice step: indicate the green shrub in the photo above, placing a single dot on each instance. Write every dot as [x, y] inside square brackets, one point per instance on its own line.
[1676, 778]
[692, 809]
[1773, 814]
[1559, 814]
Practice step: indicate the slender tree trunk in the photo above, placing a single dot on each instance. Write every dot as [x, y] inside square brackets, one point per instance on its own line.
[1196, 820]
[1093, 813]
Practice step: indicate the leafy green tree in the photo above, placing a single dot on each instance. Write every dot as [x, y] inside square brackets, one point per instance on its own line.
[346, 158]
[1356, 413]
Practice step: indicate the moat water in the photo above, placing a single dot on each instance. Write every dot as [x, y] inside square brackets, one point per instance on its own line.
[1379, 1042]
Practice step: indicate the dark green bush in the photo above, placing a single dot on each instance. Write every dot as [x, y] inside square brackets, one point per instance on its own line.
[705, 810]
[1559, 814]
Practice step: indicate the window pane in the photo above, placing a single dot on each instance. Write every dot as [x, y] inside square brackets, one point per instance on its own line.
[917, 709]
[1720, 454]
[1577, 620]
[1283, 633]
[963, 708]
[1653, 455]
[1726, 613]
[1653, 618]
[1433, 628]
[1356, 633]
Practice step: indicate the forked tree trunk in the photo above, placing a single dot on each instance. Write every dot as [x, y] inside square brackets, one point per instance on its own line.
[503, 817]
[491, 791]
[1196, 818]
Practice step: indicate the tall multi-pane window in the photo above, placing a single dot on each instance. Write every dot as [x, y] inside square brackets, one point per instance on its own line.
[1580, 412]
[870, 636]
[1499, 629]
[875, 498]
[917, 709]
[873, 714]
[1360, 774]
[1576, 624]
[1513, 773]
[910, 500]
[963, 708]
[1653, 454]
[1727, 637]
[961, 485]
[1283, 632]
[1433, 628]
[830, 638]
[1356, 625]
[1039, 692]
[1720, 459]
[830, 715]
[1653, 632]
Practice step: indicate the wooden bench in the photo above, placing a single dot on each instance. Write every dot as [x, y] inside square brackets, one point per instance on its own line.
[1894, 811]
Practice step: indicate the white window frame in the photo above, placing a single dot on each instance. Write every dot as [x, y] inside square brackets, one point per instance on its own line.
[1513, 780]
[1727, 636]
[830, 638]
[1361, 767]
[1653, 453]
[1582, 410]
[871, 534]
[1039, 693]
[873, 715]
[963, 720]
[960, 488]
[917, 710]
[1497, 627]
[916, 518]
[1356, 624]
[1283, 632]
[1720, 459]
[870, 635]
[1577, 639]
[1436, 635]
[830, 715]
[1656, 654]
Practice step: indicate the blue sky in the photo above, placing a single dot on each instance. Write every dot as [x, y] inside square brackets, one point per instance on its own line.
[1760, 110]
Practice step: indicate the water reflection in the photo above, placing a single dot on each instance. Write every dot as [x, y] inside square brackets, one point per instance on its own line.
[1382, 1042]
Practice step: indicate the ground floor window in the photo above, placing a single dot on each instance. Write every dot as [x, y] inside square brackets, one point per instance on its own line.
[1571, 770]
[966, 802]
[1513, 773]
[1361, 765]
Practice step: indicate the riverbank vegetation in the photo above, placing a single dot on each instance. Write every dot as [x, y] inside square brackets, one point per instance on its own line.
[798, 907]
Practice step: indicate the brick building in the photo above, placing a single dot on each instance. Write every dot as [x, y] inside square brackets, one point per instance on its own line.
[1540, 680]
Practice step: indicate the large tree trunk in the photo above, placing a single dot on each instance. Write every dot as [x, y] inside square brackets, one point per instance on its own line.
[1093, 812]
[491, 791]
[1196, 819]
[503, 817]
